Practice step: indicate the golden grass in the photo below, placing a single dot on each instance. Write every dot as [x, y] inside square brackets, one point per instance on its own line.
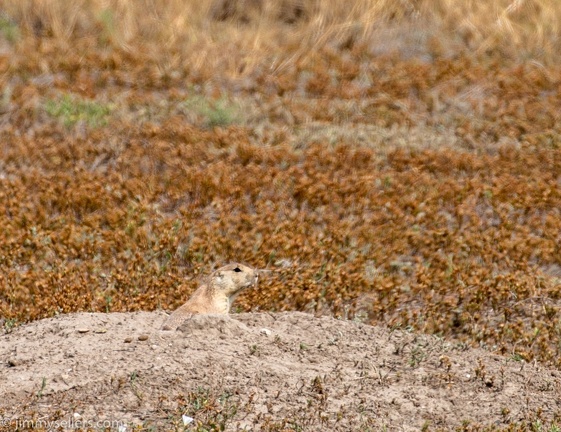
[343, 162]
[239, 37]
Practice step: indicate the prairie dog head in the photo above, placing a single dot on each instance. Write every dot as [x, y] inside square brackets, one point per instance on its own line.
[233, 278]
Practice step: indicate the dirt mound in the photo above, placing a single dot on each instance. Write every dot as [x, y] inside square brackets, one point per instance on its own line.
[259, 371]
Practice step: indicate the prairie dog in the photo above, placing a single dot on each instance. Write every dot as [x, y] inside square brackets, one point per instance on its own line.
[216, 295]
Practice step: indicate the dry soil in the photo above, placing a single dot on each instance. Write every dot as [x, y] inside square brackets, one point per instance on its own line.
[258, 371]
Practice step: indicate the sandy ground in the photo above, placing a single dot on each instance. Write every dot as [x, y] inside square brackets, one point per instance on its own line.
[265, 371]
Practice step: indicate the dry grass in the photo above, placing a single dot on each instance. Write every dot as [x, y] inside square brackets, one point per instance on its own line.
[395, 160]
[242, 37]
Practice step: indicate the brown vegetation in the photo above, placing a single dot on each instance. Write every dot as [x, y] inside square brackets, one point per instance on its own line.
[397, 162]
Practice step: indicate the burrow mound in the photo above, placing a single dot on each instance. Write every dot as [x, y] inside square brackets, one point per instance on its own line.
[260, 371]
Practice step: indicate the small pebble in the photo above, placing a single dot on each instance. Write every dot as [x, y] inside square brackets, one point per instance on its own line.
[128, 340]
[143, 337]
[83, 330]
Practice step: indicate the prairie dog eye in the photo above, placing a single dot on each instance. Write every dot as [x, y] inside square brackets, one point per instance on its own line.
[237, 270]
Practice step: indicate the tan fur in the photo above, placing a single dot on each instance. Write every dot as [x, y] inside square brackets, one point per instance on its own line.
[216, 296]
